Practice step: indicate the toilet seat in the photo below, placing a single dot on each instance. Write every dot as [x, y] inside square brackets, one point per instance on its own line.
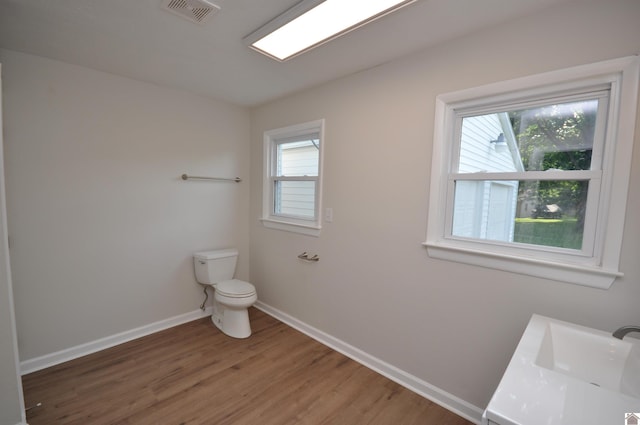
[235, 288]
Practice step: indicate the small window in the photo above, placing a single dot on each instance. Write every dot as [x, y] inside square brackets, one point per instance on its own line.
[531, 175]
[292, 182]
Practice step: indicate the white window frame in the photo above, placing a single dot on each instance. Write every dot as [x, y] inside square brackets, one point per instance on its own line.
[270, 218]
[597, 266]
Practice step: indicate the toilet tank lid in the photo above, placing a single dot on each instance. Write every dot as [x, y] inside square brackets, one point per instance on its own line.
[219, 253]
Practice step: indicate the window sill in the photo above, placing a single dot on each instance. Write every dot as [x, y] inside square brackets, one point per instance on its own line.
[304, 229]
[591, 276]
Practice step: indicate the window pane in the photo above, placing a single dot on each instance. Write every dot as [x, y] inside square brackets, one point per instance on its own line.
[485, 209]
[552, 137]
[484, 147]
[548, 213]
[299, 158]
[295, 199]
[556, 136]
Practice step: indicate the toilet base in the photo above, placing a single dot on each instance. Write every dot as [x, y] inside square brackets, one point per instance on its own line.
[231, 321]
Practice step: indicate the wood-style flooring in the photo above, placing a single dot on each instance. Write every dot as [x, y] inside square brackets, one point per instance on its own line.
[193, 374]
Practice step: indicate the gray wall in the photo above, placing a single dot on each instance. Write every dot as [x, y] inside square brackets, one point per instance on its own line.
[102, 227]
[11, 403]
[454, 326]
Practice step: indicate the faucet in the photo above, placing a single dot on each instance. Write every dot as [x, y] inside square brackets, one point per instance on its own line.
[620, 333]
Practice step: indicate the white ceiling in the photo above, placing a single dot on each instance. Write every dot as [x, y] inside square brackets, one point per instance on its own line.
[138, 39]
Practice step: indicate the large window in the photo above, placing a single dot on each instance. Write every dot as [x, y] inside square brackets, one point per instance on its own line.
[531, 175]
[292, 182]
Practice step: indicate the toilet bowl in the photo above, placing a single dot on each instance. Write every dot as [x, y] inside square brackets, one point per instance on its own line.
[232, 297]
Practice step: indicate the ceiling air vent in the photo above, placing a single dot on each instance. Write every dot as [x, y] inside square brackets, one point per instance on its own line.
[198, 11]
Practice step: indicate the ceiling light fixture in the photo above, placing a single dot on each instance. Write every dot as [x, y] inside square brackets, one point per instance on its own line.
[312, 23]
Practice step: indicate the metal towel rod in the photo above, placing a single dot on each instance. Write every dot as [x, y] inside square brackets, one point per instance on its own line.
[187, 177]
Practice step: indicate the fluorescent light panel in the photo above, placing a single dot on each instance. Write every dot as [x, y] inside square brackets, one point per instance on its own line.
[318, 25]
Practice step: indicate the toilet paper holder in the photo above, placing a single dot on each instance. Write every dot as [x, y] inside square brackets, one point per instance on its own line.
[304, 256]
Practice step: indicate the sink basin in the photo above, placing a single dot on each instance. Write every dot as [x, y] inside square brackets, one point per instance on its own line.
[565, 374]
[592, 356]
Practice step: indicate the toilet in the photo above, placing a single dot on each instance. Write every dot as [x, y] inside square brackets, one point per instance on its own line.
[232, 297]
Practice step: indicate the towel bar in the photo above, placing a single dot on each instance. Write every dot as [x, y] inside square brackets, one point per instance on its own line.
[187, 177]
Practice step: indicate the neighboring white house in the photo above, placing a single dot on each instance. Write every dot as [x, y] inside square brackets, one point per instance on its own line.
[298, 158]
[486, 209]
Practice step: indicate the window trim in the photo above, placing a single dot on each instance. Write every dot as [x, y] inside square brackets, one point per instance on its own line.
[282, 222]
[600, 269]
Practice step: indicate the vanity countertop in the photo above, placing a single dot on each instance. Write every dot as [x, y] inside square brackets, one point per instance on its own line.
[530, 394]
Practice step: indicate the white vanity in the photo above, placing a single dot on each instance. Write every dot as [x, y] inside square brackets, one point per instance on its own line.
[566, 374]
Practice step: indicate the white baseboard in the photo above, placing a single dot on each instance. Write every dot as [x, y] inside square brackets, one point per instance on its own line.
[448, 401]
[48, 360]
[413, 383]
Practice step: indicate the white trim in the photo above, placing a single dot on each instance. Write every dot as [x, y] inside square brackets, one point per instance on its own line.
[597, 265]
[448, 401]
[291, 227]
[413, 383]
[52, 359]
[584, 275]
[305, 227]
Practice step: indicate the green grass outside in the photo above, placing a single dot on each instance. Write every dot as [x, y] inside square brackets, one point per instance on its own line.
[562, 232]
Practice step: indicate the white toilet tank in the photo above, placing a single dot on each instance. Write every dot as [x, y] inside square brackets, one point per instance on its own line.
[215, 266]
